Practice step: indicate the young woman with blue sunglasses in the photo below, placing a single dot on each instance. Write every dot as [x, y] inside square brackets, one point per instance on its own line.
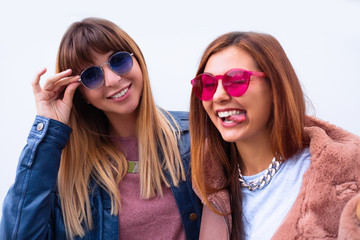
[102, 161]
[262, 167]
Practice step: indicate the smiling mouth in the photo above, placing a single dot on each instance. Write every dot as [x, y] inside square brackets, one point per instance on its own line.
[120, 94]
[233, 116]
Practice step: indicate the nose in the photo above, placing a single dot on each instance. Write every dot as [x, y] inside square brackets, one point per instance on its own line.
[111, 78]
[220, 94]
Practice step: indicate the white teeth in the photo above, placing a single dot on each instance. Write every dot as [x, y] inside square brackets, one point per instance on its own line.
[228, 121]
[120, 94]
[228, 113]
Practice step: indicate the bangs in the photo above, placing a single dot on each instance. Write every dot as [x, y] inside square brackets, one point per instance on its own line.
[86, 37]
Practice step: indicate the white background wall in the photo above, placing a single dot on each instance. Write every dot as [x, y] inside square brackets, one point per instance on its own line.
[321, 38]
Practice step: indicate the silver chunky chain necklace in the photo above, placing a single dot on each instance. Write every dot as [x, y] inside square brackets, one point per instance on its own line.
[264, 179]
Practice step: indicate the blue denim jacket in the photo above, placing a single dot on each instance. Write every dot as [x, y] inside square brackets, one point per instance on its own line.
[32, 209]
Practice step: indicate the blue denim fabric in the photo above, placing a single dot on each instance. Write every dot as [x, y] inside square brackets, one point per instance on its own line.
[32, 209]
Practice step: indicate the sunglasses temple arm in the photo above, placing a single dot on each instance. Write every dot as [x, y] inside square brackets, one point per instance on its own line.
[258, 74]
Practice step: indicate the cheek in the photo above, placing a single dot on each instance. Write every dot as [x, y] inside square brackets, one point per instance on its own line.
[209, 111]
[89, 96]
[141, 83]
[264, 108]
[266, 112]
[136, 71]
[207, 107]
[136, 77]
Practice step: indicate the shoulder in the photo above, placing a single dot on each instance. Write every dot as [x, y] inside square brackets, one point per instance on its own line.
[181, 118]
[182, 115]
[335, 153]
[326, 138]
[332, 178]
[319, 129]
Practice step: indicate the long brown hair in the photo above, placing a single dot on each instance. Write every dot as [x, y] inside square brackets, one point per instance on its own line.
[286, 123]
[90, 152]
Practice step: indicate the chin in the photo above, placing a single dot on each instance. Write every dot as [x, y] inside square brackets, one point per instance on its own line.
[229, 138]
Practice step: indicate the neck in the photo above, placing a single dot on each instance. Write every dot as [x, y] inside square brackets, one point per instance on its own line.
[256, 155]
[123, 125]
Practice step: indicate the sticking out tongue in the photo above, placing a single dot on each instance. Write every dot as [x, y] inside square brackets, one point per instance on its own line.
[238, 118]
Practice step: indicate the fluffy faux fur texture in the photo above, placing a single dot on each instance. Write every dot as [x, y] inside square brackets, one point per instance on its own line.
[332, 180]
[329, 198]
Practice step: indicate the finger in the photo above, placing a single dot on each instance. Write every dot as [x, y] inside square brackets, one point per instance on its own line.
[69, 93]
[358, 210]
[55, 78]
[35, 83]
[62, 83]
[58, 89]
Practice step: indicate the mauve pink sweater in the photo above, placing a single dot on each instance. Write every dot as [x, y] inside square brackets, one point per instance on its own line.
[156, 218]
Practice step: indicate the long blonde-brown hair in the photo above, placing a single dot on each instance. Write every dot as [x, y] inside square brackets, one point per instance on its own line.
[286, 123]
[90, 153]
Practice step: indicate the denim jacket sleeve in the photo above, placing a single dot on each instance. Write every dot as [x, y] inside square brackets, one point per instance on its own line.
[27, 205]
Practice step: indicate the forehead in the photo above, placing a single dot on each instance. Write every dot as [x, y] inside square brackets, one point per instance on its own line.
[229, 58]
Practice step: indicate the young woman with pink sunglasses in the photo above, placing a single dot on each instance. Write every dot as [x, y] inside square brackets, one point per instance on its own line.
[262, 167]
[102, 161]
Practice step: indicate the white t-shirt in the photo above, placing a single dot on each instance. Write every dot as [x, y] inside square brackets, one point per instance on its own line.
[264, 209]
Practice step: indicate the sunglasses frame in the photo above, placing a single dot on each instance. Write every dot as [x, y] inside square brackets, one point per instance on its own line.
[216, 78]
[102, 70]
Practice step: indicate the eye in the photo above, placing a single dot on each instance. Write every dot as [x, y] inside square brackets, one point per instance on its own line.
[235, 80]
[208, 81]
[209, 85]
[238, 81]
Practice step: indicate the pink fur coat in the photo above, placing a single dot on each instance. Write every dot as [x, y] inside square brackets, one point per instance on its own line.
[328, 204]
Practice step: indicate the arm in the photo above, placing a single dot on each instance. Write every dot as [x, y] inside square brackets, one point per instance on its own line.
[213, 226]
[28, 204]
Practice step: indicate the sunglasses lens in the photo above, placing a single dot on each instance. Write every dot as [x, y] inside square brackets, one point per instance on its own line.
[236, 82]
[92, 77]
[121, 63]
[204, 86]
